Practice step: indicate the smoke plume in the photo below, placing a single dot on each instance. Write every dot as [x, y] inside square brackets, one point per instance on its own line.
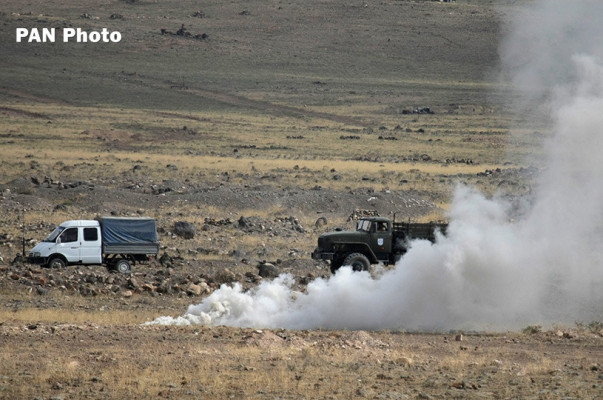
[488, 272]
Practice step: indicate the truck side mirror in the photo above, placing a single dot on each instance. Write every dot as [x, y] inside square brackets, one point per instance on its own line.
[58, 240]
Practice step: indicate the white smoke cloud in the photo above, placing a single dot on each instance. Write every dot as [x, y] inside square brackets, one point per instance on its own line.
[488, 273]
[543, 36]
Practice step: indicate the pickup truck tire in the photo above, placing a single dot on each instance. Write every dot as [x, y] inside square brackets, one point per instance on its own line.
[358, 262]
[56, 262]
[123, 266]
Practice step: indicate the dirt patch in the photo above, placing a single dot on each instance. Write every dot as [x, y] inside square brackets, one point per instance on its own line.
[9, 111]
[117, 139]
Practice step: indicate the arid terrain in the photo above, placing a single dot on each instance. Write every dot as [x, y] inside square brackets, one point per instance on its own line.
[261, 124]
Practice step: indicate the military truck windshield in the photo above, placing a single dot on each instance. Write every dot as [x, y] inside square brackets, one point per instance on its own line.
[381, 226]
[364, 225]
[54, 234]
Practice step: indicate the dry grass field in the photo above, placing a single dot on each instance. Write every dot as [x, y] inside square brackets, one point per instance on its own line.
[282, 113]
[89, 360]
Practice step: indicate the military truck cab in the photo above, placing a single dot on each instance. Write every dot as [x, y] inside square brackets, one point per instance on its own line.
[379, 237]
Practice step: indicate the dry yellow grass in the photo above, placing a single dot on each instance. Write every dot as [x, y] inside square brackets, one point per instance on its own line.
[66, 316]
[68, 309]
[193, 362]
[79, 133]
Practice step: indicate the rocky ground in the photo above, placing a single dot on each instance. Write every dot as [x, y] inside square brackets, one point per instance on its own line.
[210, 235]
[117, 357]
[200, 249]
[106, 362]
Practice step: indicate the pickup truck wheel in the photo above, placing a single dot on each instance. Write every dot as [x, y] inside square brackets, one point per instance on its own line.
[358, 262]
[123, 266]
[56, 262]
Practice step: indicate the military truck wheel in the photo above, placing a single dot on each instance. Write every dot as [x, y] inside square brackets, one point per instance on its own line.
[56, 262]
[358, 262]
[336, 264]
[123, 266]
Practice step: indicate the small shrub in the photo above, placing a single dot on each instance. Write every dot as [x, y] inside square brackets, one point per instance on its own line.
[592, 327]
[532, 329]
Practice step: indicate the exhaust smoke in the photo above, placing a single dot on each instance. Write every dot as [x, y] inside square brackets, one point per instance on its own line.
[488, 273]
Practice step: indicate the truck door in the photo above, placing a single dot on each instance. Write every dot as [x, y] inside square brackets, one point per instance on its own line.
[90, 245]
[381, 241]
[69, 245]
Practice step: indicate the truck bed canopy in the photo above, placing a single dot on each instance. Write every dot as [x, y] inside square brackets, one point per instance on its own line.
[117, 231]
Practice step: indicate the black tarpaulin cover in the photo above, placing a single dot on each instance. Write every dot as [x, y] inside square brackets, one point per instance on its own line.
[128, 230]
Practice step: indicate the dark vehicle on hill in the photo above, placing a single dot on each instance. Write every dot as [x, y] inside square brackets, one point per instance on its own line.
[375, 240]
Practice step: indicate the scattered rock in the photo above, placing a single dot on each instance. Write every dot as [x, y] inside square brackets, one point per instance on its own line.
[225, 276]
[60, 207]
[322, 221]
[406, 361]
[218, 222]
[184, 229]
[18, 260]
[147, 287]
[165, 287]
[267, 270]
[182, 32]
[193, 290]
[360, 213]
[133, 283]
[166, 260]
[419, 110]
[244, 222]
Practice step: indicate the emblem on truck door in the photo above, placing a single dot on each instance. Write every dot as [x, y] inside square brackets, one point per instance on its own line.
[380, 241]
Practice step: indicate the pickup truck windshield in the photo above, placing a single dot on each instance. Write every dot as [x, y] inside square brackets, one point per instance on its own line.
[364, 225]
[54, 234]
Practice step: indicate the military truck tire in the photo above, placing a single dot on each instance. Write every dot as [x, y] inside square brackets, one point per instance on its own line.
[123, 266]
[56, 262]
[358, 262]
[336, 263]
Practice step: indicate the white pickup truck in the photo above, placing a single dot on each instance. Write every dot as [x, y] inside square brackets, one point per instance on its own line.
[115, 242]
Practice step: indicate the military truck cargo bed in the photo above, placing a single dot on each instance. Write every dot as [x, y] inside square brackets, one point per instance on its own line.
[418, 230]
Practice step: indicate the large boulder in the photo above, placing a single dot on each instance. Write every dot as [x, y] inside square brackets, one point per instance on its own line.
[225, 276]
[185, 229]
[267, 270]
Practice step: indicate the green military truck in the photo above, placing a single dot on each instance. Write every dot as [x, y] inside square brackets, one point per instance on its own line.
[375, 240]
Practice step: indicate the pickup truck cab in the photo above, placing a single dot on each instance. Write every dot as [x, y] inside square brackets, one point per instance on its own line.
[72, 242]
